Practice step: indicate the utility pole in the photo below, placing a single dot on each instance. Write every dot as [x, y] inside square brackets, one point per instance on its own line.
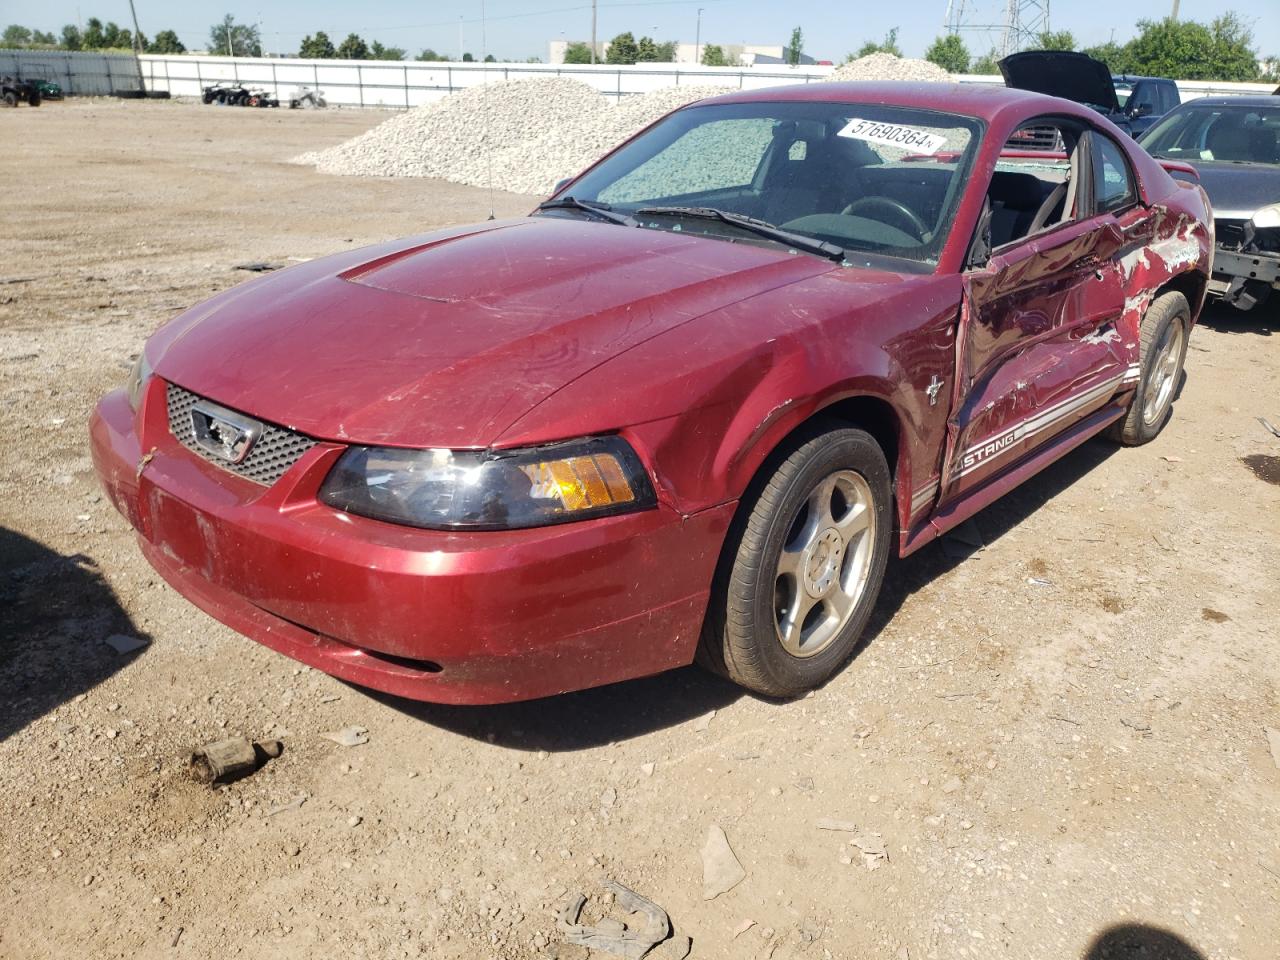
[593, 31]
[137, 34]
[231, 47]
[697, 39]
[1174, 16]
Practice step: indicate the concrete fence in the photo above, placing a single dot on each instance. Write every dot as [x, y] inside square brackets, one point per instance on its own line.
[402, 84]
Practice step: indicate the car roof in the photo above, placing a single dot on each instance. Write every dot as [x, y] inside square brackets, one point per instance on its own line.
[979, 100]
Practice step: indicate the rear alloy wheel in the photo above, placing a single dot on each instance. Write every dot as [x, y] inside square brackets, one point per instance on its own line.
[793, 598]
[1162, 351]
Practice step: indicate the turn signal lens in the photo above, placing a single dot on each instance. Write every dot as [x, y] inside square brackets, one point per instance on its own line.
[490, 489]
[580, 483]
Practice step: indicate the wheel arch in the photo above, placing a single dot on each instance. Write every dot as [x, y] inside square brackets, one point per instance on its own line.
[1192, 284]
[866, 411]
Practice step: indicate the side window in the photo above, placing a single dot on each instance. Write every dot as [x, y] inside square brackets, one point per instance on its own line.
[1143, 100]
[1168, 97]
[1113, 186]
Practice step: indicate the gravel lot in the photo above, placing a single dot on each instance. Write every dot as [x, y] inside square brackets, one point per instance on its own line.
[1062, 732]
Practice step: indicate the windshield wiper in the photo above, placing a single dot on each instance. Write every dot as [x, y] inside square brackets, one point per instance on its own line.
[758, 227]
[601, 210]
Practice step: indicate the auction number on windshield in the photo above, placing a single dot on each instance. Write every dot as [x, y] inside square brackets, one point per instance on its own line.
[895, 135]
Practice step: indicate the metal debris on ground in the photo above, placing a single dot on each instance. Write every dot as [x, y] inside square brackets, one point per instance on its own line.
[1269, 425]
[123, 643]
[294, 804]
[352, 736]
[650, 924]
[844, 826]
[721, 871]
[874, 852]
[258, 266]
[226, 760]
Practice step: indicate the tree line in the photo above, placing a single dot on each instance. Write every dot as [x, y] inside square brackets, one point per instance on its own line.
[625, 49]
[95, 35]
[1180, 49]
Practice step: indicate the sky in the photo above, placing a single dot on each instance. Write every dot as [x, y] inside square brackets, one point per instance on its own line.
[518, 29]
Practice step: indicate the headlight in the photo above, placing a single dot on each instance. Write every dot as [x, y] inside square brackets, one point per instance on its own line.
[138, 379]
[490, 489]
[1268, 216]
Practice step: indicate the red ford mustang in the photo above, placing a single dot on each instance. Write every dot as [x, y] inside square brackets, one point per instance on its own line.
[686, 408]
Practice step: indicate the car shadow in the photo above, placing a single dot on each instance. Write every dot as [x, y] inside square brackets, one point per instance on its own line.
[584, 719]
[1261, 321]
[1138, 941]
[58, 613]
[906, 576]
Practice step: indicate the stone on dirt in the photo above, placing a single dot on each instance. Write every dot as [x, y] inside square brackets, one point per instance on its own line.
[721, 871]
[352, 736]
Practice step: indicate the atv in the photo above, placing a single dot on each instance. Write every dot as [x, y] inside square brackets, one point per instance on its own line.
[225, 93]
[306, 97]
[259, 97]
[14, 91]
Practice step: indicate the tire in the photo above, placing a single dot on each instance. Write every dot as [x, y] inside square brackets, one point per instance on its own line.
[787, 553]
[321, 103]
[293, 104]
[10, 99]
[1162, 351]
[34, 98]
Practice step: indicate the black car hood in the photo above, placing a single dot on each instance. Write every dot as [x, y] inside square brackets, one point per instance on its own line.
[1236, 190]
[1061, 73]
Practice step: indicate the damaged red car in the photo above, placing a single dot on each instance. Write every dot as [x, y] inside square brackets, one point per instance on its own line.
[684, 409]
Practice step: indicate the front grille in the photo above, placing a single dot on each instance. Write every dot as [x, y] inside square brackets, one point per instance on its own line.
[276, 451]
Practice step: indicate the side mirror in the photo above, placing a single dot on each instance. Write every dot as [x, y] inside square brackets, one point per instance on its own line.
[560, 185]
[1143, 110]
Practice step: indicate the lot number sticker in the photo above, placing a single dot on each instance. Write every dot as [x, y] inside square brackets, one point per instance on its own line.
[894, 135]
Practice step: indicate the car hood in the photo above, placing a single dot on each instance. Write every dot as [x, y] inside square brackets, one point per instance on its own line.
[1236, 190]
[1062, 73]
[446, 339]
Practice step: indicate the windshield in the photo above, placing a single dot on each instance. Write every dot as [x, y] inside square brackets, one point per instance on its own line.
[1230, 133]
[1123, 89]
[871, 180]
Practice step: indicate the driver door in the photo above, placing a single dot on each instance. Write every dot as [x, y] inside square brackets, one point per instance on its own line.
[1039, 346]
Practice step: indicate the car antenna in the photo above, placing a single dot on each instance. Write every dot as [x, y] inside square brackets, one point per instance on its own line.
[488, 153]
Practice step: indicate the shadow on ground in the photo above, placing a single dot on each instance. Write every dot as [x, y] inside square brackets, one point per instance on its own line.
[57, 613]
[1137, 941]
[1261, 321]
[905, 577]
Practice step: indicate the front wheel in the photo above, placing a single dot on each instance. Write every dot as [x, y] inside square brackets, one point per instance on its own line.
[803, 567]
[1162, 352]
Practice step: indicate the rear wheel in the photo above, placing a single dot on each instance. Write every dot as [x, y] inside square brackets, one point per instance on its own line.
[1162, 352]
[10, 99]
[805, 566]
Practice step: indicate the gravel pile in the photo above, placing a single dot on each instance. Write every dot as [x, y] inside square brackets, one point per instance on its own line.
[885, 66]
[518, 135]
[524, 135]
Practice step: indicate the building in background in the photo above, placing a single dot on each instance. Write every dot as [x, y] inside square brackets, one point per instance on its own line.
[747, 54]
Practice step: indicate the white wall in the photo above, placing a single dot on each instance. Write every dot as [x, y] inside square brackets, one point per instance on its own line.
[374, 83]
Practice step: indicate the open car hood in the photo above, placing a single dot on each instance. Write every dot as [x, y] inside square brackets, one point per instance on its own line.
[1061, 73]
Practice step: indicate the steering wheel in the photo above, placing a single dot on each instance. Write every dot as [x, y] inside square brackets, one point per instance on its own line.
[900, 215]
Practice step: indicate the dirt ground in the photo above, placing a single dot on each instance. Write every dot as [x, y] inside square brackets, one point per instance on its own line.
[1059, 737]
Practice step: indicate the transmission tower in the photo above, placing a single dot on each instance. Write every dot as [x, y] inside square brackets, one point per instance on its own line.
[1024, 21]
[1002, 26]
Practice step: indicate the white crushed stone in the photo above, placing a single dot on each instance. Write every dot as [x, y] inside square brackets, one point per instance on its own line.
[885, 66]
[524, 135]
[516, 135]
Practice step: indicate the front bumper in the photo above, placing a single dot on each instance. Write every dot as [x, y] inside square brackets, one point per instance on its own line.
[1230, 264]
[478, 617]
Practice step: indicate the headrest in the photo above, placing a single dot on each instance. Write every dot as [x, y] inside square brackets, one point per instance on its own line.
[1021, 191]
[1228, 143]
